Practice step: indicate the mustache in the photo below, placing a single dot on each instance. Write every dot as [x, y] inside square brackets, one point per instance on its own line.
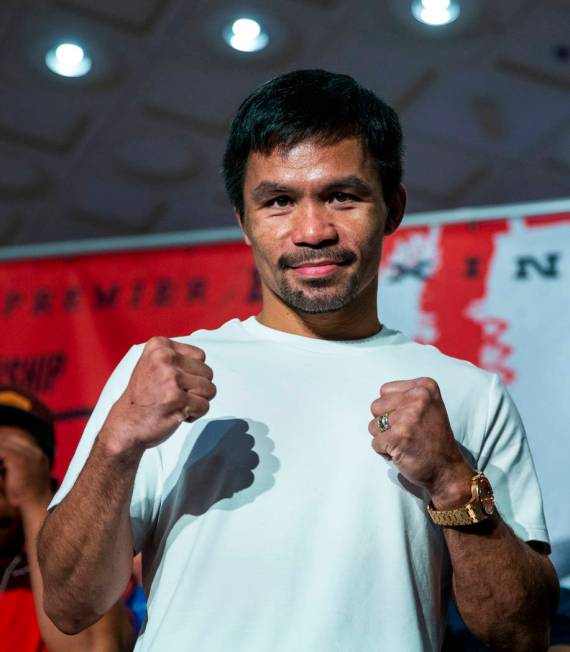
[337, 254]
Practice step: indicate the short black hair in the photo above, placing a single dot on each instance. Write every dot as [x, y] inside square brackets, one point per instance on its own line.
[312, 105]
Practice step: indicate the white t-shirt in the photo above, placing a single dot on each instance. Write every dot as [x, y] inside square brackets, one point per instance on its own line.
[321, 547]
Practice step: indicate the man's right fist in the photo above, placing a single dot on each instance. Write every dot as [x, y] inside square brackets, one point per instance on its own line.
[170, 383]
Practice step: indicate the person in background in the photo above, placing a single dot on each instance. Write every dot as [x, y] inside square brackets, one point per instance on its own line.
[26, 488]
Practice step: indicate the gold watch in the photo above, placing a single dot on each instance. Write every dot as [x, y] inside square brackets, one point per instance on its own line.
[479, 508]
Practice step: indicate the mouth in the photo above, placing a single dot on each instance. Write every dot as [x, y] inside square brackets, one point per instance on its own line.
[317, 268]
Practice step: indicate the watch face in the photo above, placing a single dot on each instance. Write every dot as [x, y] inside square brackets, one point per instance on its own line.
[486, 496]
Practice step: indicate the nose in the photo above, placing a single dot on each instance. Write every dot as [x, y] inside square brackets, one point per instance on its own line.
[313, 226]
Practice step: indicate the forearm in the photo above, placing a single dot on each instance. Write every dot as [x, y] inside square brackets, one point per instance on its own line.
[54, 640]
[85, 546]
[504, 590]
[111, 634]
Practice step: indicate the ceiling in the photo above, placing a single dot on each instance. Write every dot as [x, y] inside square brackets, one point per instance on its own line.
[135, 147]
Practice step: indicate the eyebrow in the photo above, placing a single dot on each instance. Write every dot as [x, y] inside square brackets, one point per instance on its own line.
[270, 188]
[354, 182]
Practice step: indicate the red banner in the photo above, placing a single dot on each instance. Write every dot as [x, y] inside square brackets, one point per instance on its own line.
[66, 322]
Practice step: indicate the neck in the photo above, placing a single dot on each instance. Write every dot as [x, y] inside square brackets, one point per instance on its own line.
[355, 321]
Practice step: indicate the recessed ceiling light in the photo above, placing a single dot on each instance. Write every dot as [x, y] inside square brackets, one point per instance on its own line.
[245, 35]
[436, 12]
[68, 60]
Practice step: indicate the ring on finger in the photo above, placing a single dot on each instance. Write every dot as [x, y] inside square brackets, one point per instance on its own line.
[383, 422]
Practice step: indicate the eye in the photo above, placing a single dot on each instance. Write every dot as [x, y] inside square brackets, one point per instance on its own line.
[280, 202]
[342, 197]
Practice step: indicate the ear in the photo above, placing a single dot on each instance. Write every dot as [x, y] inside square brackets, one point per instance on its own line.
[396, 209]
[240, 221]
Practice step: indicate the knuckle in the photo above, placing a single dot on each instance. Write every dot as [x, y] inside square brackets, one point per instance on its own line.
[422, 394]
[156, 342]
[202, 370]
[203, 387]
[179, 378]
[405, 436]
[207, 372]
[429, 384]
[407, 423]
[171, 393]
[375, 407]
[409, 414]
[184, 413]
[199, 405]
[376, 445]
[164, 355]
[396, 454]
[197, 353]
[171, 380]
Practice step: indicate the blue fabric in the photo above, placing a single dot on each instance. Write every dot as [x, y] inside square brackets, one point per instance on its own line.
[136, 604]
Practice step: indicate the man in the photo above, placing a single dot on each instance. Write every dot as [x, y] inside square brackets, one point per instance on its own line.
[26, 488]
[270, 524]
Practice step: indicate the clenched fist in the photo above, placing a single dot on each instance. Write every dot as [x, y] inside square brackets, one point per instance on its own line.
[170, 383]
[419, 440]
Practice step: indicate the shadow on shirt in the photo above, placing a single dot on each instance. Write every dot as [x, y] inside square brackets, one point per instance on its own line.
[220, 464]
[215, 470]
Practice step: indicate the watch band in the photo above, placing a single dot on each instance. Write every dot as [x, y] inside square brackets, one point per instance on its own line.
[470, 514]
[467, 515]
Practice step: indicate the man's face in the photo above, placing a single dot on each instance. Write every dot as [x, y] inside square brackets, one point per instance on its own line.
[315, 216]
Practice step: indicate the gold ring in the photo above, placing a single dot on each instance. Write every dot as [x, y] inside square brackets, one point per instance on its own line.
[383, 422]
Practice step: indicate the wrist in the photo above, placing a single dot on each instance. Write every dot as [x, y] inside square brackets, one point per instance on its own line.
[121, 448]
[453, 489]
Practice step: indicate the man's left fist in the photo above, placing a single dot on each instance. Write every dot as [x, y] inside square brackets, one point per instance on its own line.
[419, 440]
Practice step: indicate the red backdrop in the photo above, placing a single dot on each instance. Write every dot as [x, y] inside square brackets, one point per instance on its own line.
[66, 322]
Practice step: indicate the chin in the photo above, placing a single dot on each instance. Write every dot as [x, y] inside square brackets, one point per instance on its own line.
[317, 302]
[318, 309]
[320, 295]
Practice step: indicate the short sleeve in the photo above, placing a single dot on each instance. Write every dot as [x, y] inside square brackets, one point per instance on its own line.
[145, 500]
[506, 460]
